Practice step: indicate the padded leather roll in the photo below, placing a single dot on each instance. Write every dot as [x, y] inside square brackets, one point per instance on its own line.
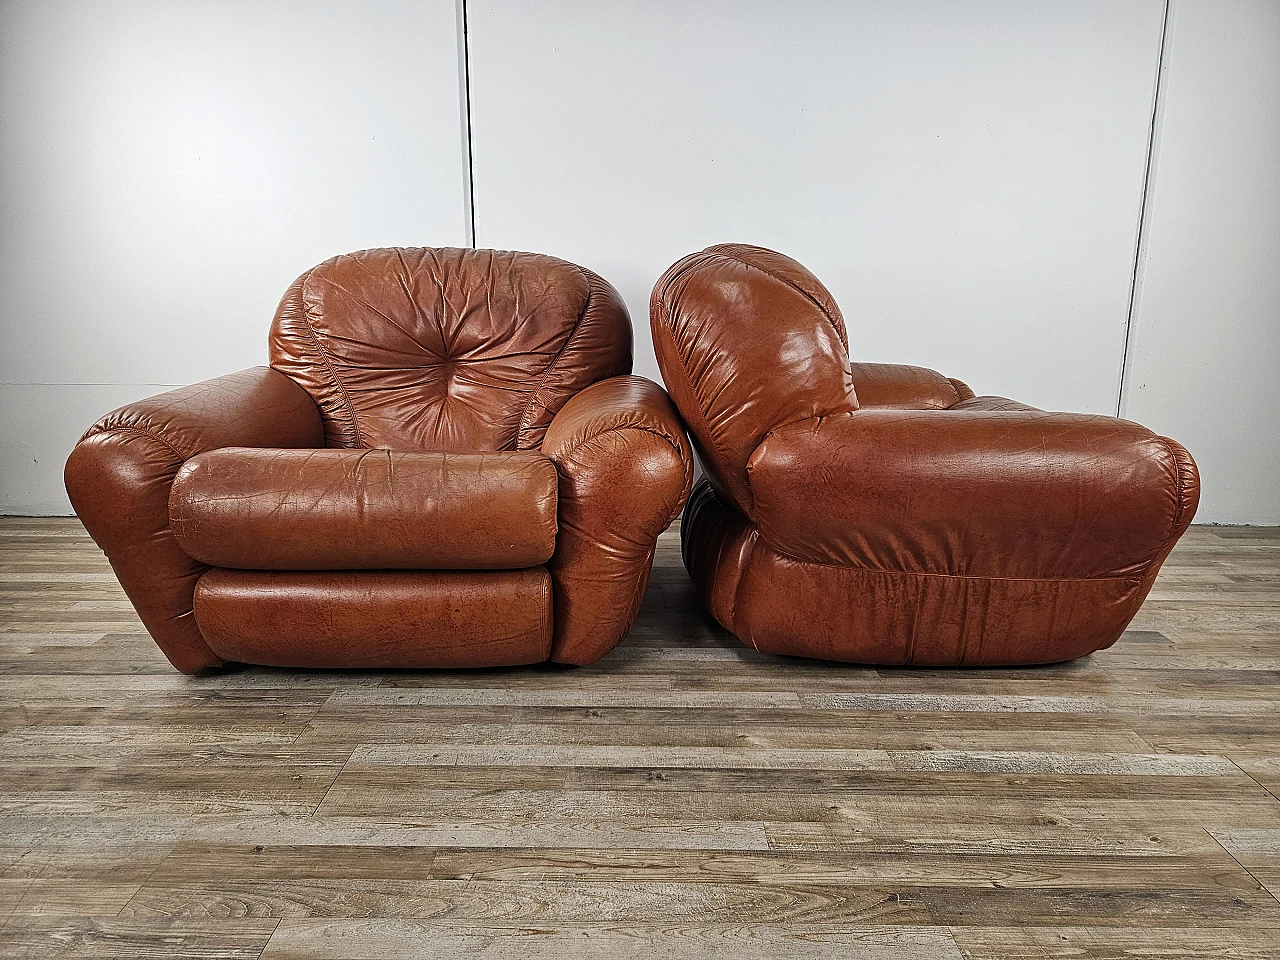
[791, 607]
[381, 618]
[784, 605]
[365, 509]
[625, 470]
[120, 475]
[969, 492]
[903, 387]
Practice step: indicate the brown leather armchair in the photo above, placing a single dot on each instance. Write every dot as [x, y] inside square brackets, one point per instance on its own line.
[884, 514]
[445, 465]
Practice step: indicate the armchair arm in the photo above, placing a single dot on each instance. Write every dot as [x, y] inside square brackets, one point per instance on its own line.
[1014, 495]
[625, 471]
[120, 473]
[905, 387]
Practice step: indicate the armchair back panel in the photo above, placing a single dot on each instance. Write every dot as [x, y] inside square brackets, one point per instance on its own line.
[747, 339]
[447, 349]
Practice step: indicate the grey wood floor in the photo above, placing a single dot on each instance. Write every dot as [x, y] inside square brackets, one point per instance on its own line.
[686, 797]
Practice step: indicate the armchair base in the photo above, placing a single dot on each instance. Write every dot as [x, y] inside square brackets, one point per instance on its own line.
[783, 605]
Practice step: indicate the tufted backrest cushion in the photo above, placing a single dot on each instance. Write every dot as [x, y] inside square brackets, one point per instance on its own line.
[421, 348]
[747, 339]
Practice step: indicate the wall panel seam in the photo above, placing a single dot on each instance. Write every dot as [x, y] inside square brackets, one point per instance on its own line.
[1144, 211]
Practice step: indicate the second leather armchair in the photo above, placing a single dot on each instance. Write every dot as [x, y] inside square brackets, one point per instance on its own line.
[883, 514]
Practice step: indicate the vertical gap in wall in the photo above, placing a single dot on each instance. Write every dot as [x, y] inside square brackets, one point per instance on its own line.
[464, 96]
[1140, 247]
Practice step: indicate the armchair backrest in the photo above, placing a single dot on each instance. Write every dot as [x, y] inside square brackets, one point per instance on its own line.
[747, 339]
[422, 348]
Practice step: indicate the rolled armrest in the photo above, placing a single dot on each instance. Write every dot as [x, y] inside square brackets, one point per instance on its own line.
[120, 474]
[904, 387]
[625, 470]
[1022, 494]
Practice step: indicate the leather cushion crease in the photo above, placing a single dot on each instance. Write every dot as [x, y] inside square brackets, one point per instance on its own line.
[447, 465]
[447, 348]
[883, 514]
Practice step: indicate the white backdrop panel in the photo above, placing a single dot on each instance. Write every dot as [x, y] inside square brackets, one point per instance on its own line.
[1205, 361]
[167, 169]
[965, 177]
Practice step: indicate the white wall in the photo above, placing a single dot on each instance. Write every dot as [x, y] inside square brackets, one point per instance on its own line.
[166, 170]
[964, 177]
[1205, 354]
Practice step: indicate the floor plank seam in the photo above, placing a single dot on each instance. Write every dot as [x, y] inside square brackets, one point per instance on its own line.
[1262, 785]
[1261, 886]
[145, 883]
[274, 930]
[341, 771]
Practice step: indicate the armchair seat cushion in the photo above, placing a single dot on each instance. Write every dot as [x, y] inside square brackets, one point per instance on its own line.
[271, 509]
[400, 619]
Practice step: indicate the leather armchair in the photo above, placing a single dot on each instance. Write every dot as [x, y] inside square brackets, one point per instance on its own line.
[445, 465]
[883, 514]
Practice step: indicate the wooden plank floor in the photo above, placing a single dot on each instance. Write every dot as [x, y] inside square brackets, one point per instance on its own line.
[687, 797]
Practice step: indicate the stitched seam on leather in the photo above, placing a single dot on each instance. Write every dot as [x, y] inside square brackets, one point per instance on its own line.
[684, 371]
[949, 576]
[1177, 481]
[956, 390]
[324, 355]
[547, 623]
[139, 431]
[1152, 565]
[783, 280]
[635, 426]
[533, 397]
[754, 535]
[790, 423]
